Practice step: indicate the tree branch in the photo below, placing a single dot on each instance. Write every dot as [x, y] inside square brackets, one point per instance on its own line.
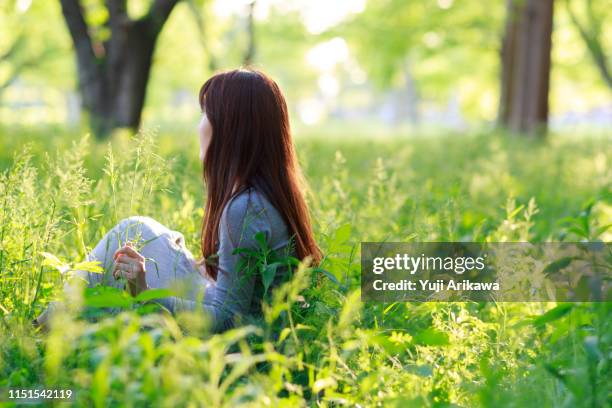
[117, 9]
[250, 51]
[77, 27]
[14, 48]
[592, 40]
[20, 66]
[199, 20]
[158, 14]
[117, 22]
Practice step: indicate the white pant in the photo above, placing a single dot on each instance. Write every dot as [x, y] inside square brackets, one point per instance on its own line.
[168, 264]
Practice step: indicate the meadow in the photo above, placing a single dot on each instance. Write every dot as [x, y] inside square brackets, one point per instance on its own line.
[318, 344]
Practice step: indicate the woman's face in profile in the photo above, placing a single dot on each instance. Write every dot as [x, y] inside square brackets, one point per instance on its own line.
[205, 133]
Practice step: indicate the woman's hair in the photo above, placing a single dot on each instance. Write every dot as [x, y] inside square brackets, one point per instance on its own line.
[251, 146]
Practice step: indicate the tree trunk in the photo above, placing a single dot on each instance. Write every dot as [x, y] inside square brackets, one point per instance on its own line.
[249, 55]
[525, 61]
[113, 75]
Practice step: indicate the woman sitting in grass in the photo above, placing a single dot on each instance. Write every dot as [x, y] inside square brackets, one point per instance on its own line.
[254, 199]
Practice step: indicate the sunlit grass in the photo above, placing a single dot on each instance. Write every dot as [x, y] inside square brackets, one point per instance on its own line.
[317, 343]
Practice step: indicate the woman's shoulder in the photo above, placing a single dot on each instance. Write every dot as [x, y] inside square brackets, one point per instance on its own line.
[250, 210]
[243, 203]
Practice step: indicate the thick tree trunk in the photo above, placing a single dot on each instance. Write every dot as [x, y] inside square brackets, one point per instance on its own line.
[114, 91]
[113, 75]
[525, 60]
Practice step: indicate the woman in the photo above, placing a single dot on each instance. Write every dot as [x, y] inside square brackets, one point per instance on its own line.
[253, 194]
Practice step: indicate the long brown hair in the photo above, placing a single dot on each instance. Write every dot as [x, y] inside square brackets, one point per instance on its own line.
[251, 146]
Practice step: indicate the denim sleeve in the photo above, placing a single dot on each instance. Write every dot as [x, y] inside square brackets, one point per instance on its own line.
[231, 296]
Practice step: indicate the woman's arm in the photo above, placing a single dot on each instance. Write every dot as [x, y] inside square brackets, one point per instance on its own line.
[231, 296]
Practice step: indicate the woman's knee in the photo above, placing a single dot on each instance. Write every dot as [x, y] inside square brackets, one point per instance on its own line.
[133, 225]
[141, 226]
[134, 220]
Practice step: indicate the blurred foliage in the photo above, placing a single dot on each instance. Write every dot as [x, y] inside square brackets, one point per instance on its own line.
[449, 49]
[43, 47]
[317, 344]
[439, 41]
[454, 45]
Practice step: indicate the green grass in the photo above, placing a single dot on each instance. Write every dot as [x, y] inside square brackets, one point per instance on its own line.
[325, 348]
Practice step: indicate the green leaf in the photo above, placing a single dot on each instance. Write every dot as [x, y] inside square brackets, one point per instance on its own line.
[342, 234]
[323, 383]
[284, 333]
[268, 274]
[54, 262]
[554, 371]
[384, 342]
[388, 308]
[553, 314]
[583, 289]
[432, 337]
[260, 237]
[153, 294]
[89, 266]
[329, 275]
[591, 346]
[104, 296]
[579, 231]
[50, 258]
[559, 264]
[600, 230]
[514, 212]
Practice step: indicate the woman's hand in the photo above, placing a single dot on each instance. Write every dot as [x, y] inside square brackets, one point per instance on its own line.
[129, 264]
[42, 321]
